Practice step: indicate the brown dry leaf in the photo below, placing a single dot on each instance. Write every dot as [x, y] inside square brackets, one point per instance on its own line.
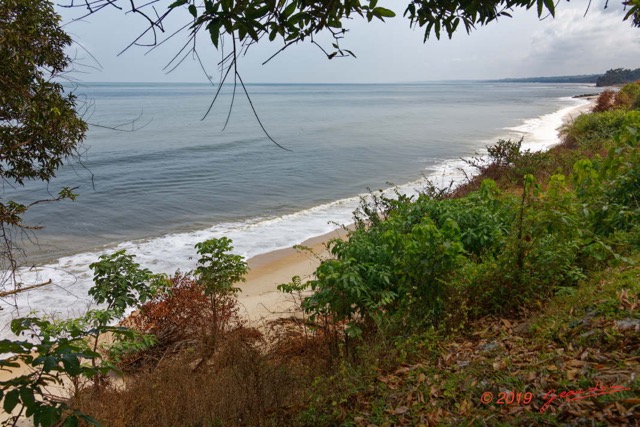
[515, 409]
[422, 378]
[575, 363]
[632, 401]
[573, 373]
[621, 409]
[552, 368]
[506, 323]
[402, 370]
[434, 391]
[400, 410]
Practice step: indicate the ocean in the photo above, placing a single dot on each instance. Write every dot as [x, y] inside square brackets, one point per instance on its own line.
[177, 178]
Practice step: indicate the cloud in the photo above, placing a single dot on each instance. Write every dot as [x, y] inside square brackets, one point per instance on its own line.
[573, 42]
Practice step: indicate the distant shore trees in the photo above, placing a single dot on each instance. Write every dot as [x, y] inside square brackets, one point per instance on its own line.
[618, 76]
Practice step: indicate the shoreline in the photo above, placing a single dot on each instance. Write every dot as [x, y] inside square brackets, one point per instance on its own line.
[259, 297]
[72, 277]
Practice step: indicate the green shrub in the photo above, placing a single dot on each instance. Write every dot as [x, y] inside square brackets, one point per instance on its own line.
[592, 131]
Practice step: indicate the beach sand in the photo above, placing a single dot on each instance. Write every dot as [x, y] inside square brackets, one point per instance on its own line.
[259, 297]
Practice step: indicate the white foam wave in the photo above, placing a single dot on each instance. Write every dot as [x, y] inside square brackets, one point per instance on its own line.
[541, 133]
[72, 277]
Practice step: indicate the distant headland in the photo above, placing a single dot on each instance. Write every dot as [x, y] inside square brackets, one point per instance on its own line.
[612, 77]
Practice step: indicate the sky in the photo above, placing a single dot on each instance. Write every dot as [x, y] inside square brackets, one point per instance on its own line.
[389, 52]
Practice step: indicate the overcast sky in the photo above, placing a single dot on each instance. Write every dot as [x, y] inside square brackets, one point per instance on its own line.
[521, 46]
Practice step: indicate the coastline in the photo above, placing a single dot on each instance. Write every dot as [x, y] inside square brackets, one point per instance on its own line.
[72, 277]
[259, 298]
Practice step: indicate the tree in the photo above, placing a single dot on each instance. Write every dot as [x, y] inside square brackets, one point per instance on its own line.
[217, 272]
[39, 125]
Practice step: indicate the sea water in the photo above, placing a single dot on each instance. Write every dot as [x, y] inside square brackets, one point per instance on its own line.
[157, 176]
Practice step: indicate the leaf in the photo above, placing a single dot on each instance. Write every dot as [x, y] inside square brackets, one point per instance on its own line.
[178, 3]
[193, 10]
[401, 410]
[11, 400]
[289, 10]
[26, 394]
[381, 11]
[550, 7]
[71, 421]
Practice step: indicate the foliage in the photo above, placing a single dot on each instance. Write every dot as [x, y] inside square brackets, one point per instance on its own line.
[618, 76]
[62, 348]
[39, 124]
[297, 20]
[605, 101]
[121, 283]
[178, 312]
[505, 160]
[57, 353]
[218, 270]
[627, 97]
[592, 131]
[412, 262]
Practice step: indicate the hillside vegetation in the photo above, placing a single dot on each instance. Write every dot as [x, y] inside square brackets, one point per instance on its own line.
[618, 76]
[511, 300]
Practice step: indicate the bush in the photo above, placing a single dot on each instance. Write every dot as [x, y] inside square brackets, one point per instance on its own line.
[629, 96]
[591, 132]
[605, 101]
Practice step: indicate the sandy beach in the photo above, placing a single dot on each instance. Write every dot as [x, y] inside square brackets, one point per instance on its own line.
[259, 297]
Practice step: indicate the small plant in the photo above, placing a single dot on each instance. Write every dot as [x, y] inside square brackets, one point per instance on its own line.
[218, 271]
[120, 283]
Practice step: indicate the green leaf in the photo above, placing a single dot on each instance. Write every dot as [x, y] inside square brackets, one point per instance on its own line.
[551, 7]
[193, 10]
[11, 400]
[382, 12]
[214, 31]
[289, 10]
[178, 3]
[540, 6]
[71, 421]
